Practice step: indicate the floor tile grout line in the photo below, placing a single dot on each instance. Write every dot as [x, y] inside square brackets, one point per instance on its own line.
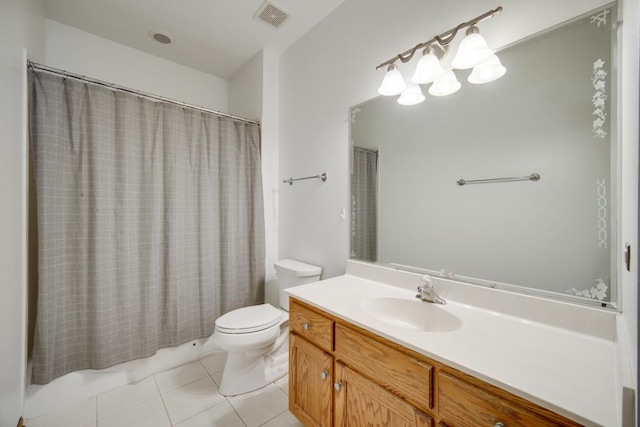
[226, 398]
[191, 416]
[185, 384]
[202, 364]
[164, 405]
[282, 388]
[273, 418]
[263, 388]
[131, 407]
[234, 408]
[237, 413]
[155, 381]
[214, 380]
[204, 410]
[220, 352]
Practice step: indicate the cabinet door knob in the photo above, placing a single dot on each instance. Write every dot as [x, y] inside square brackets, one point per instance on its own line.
[306, 325]
[324, 375]
[499, 424]
[337, 386]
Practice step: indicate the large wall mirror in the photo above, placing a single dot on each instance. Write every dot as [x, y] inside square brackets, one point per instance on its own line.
[552, 114]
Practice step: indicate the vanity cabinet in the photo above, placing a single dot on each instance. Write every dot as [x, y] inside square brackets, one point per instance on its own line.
[342, 375]
[362, 402]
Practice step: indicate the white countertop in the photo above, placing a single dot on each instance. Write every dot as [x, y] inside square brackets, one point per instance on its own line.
[571, 373]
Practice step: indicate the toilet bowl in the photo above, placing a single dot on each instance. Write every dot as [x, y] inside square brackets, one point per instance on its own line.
[257, 337]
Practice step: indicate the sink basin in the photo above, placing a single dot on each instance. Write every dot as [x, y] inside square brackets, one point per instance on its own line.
[412, 314]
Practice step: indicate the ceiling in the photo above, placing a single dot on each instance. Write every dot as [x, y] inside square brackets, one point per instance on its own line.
[214, 36]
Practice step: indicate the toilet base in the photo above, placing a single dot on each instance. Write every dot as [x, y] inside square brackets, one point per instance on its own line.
[248, 371]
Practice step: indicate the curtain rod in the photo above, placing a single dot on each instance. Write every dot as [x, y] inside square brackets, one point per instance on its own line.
[64, 73]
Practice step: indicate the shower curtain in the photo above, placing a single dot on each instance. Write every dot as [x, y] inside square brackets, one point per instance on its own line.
[150, 223]
[364, 204]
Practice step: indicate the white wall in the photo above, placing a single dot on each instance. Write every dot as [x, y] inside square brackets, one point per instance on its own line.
[245, 90]
[332, 68]
[253, 93]
[21, 36]
[270, 147]
[83, 53]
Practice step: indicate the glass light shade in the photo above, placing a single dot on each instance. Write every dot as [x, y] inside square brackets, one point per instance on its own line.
[488, 71]
[445, 85]
[473, 50]
[411, 96]
[392, 83]
[428, 68]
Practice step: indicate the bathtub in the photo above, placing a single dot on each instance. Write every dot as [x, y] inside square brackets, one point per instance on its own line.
[78, 386]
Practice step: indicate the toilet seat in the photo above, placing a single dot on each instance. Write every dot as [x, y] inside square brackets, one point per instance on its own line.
[249, 319]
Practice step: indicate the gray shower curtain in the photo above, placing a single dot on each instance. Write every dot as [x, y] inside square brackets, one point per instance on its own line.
[364, 205]
[150, 223]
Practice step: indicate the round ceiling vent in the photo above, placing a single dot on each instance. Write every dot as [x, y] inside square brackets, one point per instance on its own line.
[160, 36]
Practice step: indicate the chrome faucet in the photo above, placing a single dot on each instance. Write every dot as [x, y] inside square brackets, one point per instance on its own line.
[428, 292]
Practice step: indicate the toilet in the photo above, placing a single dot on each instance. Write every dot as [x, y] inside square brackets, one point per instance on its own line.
[257, 337]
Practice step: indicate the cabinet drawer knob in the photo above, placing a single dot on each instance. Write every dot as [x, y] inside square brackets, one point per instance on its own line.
[499, 424]
[337, 386]
[324, 375]
[306, 325]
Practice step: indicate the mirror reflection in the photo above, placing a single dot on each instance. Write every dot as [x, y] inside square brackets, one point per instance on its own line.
[552, 114]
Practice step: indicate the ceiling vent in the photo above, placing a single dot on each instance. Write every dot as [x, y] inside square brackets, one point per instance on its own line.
[271, 14]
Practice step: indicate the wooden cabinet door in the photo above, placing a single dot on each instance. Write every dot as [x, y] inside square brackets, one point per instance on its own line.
[310, 383]
[361, 402]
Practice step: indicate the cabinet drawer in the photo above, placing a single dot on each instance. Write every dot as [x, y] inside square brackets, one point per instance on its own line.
[462, 404]
[405, 376]
[311, 325]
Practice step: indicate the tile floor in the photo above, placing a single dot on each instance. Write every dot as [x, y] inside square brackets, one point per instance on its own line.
[186, 396]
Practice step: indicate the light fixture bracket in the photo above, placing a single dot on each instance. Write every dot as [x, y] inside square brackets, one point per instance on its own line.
[441, 40]
[438, 50]
[472, 30]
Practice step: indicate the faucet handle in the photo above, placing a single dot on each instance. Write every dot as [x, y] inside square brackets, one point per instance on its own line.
[427, 279]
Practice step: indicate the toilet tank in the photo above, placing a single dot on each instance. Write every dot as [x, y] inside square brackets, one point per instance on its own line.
[294, 273]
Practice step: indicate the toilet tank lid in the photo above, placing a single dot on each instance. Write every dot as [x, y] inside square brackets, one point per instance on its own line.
[296, 268]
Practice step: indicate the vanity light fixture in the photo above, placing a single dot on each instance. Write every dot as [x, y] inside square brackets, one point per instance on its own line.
[490, 70]
[429, 67]
[445, 85]
[392, 83]
[473, 52]
[411, 96]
